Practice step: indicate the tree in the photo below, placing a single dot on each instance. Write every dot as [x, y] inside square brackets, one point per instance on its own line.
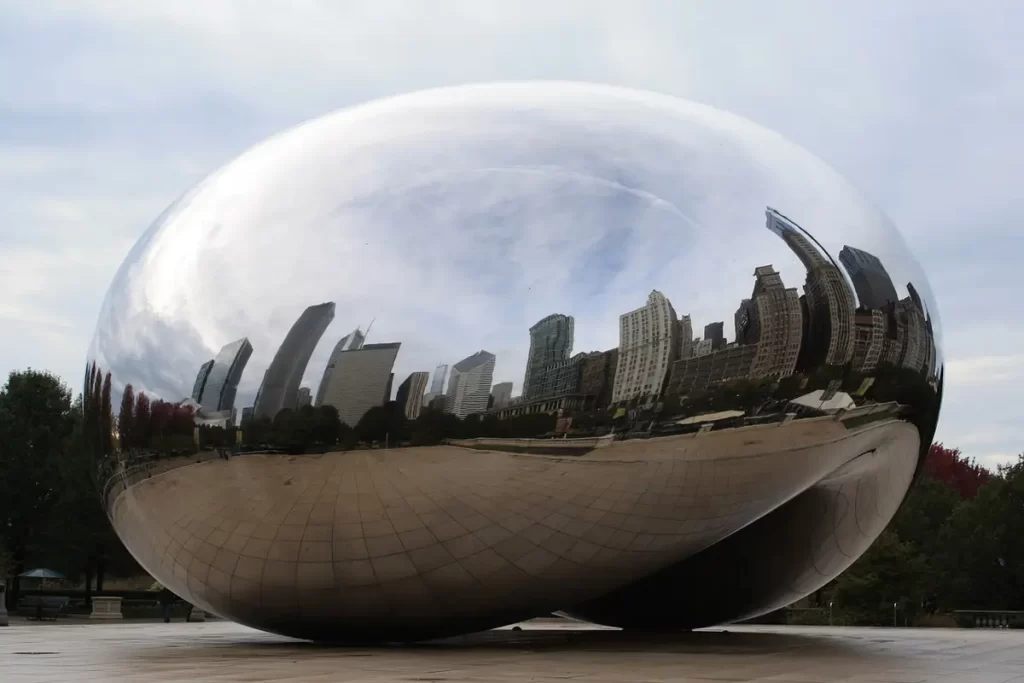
[950, 466]
[890, 572]
[126, 419]
[382, 423]
[142, 427]
[982, 557]
[106, 419]
[35, 422]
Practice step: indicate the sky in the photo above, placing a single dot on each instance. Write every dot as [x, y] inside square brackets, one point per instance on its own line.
[109, 110]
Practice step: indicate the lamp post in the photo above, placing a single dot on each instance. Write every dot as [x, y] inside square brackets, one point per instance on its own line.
[830, 613]
[894, 614]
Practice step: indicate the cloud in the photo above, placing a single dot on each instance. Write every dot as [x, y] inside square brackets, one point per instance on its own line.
[110, 109]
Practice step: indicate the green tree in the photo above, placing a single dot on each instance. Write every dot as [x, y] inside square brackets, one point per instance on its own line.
[35, 423]
[982, 556]
[382, 423]
[126, 419]
[78, 534]
[890, 572]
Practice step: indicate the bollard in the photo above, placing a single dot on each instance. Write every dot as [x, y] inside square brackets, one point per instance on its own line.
[4, 621]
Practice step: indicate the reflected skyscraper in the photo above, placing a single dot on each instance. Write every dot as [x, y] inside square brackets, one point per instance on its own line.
[502, 394]
[350, 342]
[715, 333]
[685, 337]
[437, 384]
[222, 381]
[773, 322]
[647, 346]
[829, 300]
[410, 394]
[281, 383]
[868, 339]
[303, 398]
[551, 340]
[469, 387]
[870, 279]
[360, 379]
[201, 378]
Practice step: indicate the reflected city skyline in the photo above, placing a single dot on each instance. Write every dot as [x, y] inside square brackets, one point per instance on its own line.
[862, 331]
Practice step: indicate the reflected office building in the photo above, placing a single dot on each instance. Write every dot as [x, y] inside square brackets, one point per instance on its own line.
[691, 410]
[469, 387]
[280, 387]
[360, 380]
[410, 394]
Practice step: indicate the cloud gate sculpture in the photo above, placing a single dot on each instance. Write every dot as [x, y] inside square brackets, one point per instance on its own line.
[449, 360]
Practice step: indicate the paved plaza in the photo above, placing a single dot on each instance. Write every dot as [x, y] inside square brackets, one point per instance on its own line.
[543, 650]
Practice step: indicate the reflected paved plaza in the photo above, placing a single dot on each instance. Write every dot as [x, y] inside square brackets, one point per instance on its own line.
[543, 650]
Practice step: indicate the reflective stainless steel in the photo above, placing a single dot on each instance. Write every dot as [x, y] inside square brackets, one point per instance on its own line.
[452, 359]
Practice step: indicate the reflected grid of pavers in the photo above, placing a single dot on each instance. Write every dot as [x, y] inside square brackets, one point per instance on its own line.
[443, 532]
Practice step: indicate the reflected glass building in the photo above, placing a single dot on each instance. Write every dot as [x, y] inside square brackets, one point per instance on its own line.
[469, 387]
[280, 385]
[360, 380]
[218, 393]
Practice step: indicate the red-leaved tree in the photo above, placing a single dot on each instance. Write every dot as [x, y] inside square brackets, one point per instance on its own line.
[948, 465]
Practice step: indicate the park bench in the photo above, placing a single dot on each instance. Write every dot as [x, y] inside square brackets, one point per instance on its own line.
[42, 606]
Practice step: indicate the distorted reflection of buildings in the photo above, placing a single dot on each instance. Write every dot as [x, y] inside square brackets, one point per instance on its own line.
[551, 340]
[772, 319]
[779, 333]
[501, 394]
[647, 344]
[436, 385]
[360, 380]
[870, 279]
[200, 383]
[218, 395]
[469, 386]
[715, 333]
[410, 394]
[827, 296]
[868, 339]
[352, 341]
[685, 338]
[280, 385]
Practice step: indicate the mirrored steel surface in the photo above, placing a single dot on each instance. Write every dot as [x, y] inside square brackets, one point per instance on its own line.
[453, 359]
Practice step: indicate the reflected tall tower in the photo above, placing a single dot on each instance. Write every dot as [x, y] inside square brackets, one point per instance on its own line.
[469, 387]
[350, 342]
[437, 384]
[201, 377]
[647, 347]
[222, 382]
[829, 299]
[685, 337]
[870, 279]
[360, 379]
[410, 394]
[715, 333]
[502, 394]
[280, 386]
[551, 340]
[773, 321]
